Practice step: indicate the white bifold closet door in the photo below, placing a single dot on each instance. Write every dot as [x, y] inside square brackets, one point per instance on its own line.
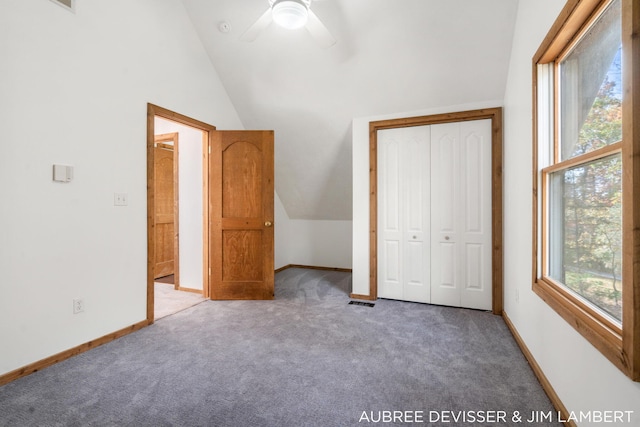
[434, 214]
[403, 214]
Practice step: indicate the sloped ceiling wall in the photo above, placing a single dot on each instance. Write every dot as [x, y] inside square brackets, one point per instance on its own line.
[390, 56]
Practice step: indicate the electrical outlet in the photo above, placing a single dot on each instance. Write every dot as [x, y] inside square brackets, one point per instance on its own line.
[517, 295]
[78, 306]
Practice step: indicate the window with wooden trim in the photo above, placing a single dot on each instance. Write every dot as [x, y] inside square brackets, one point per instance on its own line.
[585, 163]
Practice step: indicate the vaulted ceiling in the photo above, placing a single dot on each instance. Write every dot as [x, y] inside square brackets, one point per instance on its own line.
[391, 56]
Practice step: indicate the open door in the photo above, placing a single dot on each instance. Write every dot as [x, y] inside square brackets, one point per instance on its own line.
[165, 190]
[238, 196]
[241, 215]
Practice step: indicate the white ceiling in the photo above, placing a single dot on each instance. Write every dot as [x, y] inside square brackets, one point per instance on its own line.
[390, 56]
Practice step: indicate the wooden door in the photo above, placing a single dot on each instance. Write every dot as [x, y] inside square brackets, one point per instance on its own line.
[164, 215]
[403, 220]
[241, 197]
[461, 273]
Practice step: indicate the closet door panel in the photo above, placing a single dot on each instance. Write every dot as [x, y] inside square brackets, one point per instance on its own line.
[476, 237]
[444, 151]
[461, 214]
[392, 279]
[403, 214]
[473, 271]
[416, 213]
[414, 286]
[472, 169]
[389, 218]
[445, 214]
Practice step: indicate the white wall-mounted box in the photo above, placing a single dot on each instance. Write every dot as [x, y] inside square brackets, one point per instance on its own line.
[62, 173]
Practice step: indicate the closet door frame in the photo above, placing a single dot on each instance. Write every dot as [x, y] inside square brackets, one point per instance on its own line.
[495, 115]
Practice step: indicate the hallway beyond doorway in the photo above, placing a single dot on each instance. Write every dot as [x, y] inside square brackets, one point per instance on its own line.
[169, 301]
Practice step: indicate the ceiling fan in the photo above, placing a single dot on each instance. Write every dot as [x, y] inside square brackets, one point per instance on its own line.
[291, 14]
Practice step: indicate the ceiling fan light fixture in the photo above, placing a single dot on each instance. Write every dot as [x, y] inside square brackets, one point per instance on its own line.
[290, 14]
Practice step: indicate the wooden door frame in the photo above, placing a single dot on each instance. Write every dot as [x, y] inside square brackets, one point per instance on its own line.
[160, 139]
[154, 111]
[495, 115]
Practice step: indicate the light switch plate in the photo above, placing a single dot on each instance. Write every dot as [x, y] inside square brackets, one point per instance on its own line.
[120, 199]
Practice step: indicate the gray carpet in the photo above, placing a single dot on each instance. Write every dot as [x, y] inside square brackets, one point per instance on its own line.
[308, 358]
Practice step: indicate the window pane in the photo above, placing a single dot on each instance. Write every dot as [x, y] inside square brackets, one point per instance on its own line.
[585, 239]
[590, 88]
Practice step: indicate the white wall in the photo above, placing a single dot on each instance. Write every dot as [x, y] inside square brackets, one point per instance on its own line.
[74, 90]
[313, 243]
[360, 230]
[281, 228]
[582, 377]
[190, 196]
[320, 243]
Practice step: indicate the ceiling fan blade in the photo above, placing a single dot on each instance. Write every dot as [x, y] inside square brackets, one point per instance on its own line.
[319, 32]
[254, 31]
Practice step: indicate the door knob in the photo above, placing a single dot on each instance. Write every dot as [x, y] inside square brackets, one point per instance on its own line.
[268, 224]
[446, 237]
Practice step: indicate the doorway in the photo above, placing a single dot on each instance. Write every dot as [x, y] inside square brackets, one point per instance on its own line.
[177, 199]
[179, 219]
[236, 191]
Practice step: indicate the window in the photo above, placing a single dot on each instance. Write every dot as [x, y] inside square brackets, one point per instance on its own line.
[585, 162]
[583, 188]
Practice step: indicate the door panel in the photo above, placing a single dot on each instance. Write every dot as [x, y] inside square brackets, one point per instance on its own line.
[390, 243]
[403, 220]
[241, 215]
[461, 219]
[446, 215]
[242, 255]
[445, 272]
[416, 284]
[445, 148]
[164, 211]
[473, 167]
[476, 237]
[414, 274]
[242, 189]
[474, 267]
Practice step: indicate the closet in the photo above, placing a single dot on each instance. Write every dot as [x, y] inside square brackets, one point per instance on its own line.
[434, 214]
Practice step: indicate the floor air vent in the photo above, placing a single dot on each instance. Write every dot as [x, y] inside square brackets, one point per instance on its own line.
[366, 304]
